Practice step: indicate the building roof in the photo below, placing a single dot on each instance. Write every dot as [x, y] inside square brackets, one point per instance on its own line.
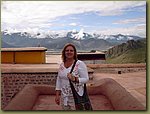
[91, 56]
[24, 49]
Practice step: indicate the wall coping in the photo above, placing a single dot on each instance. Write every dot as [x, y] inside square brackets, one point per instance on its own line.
[25, 49]
[32, 68]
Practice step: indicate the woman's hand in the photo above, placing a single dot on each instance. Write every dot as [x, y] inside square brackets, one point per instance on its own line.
[57, 100]
[71, 77]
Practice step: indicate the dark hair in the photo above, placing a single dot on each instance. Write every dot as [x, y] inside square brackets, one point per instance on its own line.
[63, 52]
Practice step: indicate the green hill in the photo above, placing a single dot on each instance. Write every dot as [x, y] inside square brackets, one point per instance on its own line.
[132, 53]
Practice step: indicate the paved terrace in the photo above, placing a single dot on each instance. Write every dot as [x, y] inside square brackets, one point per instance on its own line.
[133, 82]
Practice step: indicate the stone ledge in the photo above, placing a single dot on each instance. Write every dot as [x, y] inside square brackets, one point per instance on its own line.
[119, 97]
[26, 98]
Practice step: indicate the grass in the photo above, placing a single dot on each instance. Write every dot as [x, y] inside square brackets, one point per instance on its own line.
[130, 56]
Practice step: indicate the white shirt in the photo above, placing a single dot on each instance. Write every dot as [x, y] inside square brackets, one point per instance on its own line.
[62, 83]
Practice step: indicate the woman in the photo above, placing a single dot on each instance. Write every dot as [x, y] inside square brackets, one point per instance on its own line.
[78, 77]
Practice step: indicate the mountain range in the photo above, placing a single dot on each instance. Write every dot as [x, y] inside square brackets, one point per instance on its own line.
[56, 41]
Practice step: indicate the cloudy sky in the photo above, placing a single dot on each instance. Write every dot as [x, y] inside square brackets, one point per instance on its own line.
[105, 17]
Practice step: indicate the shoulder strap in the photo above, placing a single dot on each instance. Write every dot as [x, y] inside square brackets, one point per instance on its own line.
[73, 66]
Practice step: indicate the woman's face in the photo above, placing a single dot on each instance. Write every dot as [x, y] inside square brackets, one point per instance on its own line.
[69, 52]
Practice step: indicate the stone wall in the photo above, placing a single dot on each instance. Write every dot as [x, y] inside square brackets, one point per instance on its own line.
[12, 83]
[118, 70]
[94, 61]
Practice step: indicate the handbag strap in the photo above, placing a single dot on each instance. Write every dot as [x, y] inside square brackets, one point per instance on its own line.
[72, 70]
[73, 66]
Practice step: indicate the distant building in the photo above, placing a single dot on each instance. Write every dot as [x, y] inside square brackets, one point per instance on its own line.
[92, 58]
[27, 55]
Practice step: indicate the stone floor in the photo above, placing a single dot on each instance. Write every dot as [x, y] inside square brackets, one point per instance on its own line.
[46, 102]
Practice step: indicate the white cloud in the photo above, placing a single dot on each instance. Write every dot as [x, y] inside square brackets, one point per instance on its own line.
[36, 15]
[133, 20]
[139, 30]
[119, 7]
[73, 24]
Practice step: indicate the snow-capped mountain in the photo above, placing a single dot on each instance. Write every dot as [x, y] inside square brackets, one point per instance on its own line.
[81, 35]
[53, 40]
[46, 34]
